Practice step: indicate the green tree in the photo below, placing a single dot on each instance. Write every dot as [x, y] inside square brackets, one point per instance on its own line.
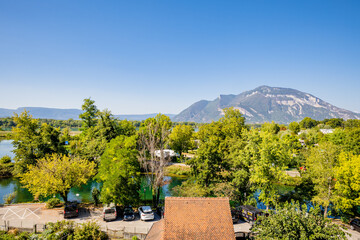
[321, 165]
[334, 122]
[57, 174]
[294, 222]
[119, 170]
[180, 138]
[352, 141]
[243, 154]
[291, 146]
[95, 193]
[126, 128]
[312, 136]
[268, 167]
[347, 186]
[294, 127]
[352, 123]
[308, 123]
[210, 165]
[90, 113]
[153, 136]
[32, 141]
[107, 125]
[89, 145]
[270, 127]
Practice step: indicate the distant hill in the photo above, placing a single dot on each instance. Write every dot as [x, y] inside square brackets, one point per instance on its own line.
[266, 104]
[40, 112]
[65, 114]
[140, 117]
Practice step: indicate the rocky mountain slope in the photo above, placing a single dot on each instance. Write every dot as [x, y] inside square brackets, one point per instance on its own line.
[266, 104]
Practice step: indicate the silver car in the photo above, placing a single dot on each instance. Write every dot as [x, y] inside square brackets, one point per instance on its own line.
[146, 213]
[109, 212]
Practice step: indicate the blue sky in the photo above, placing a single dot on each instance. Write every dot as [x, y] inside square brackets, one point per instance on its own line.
[161, 56]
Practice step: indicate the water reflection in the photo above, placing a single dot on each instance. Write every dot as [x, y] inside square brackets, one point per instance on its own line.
[82, 193]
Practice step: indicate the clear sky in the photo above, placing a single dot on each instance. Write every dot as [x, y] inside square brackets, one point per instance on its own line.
[148, 56]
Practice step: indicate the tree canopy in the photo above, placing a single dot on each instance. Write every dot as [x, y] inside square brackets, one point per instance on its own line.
[119, 171]
[57, 173]
[294, 222]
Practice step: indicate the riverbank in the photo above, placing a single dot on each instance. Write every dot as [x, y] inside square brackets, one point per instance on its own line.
[5, 135]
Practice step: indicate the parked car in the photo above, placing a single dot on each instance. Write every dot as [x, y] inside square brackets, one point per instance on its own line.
[235, 215]
[146, 213]
[250, 213]
[109, 212]
[160, 212]
[71, 210]
[355, 224]
[129, 214]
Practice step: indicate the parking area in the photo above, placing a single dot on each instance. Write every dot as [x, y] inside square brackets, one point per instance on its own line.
[27, 215]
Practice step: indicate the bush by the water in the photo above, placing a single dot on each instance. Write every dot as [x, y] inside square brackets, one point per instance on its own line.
[6, 166]
[177, 170]
[52, 202]
[9, 198]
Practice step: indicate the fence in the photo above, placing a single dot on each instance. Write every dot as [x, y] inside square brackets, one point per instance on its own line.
[121, 233]
[7, 225]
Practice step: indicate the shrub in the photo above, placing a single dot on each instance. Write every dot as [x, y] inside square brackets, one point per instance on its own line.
[89, 230]
[9, 198]
[177, 170]
[6, 166]
[58, 230]
[95, 194]
[5, 159]
[52, 202]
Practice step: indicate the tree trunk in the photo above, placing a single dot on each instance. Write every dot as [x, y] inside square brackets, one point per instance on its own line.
[325, 211]
[64, 196]
[157, 197]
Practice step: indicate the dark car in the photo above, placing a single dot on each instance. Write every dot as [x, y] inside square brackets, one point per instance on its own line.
[71, 210]
[355, 224]
[129, 214]
[250, 213]
[235, 215]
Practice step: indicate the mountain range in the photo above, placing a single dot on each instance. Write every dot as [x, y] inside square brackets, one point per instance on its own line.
[266, 104]
[263, 104]
[64, 114]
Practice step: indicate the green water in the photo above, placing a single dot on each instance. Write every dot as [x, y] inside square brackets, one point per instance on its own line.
[82, 193]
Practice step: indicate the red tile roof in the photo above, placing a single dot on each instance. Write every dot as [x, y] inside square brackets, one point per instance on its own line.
[156, 231]
[197, 218]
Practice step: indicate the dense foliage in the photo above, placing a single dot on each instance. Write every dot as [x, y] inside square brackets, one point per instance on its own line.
[119, 170]
[293, 221]
[57, 174]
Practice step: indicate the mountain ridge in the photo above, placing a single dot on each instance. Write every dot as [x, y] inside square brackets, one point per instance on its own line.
[70, 113]
[266, 104]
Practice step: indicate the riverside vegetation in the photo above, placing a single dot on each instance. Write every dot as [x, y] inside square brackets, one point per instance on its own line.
[232, 159]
